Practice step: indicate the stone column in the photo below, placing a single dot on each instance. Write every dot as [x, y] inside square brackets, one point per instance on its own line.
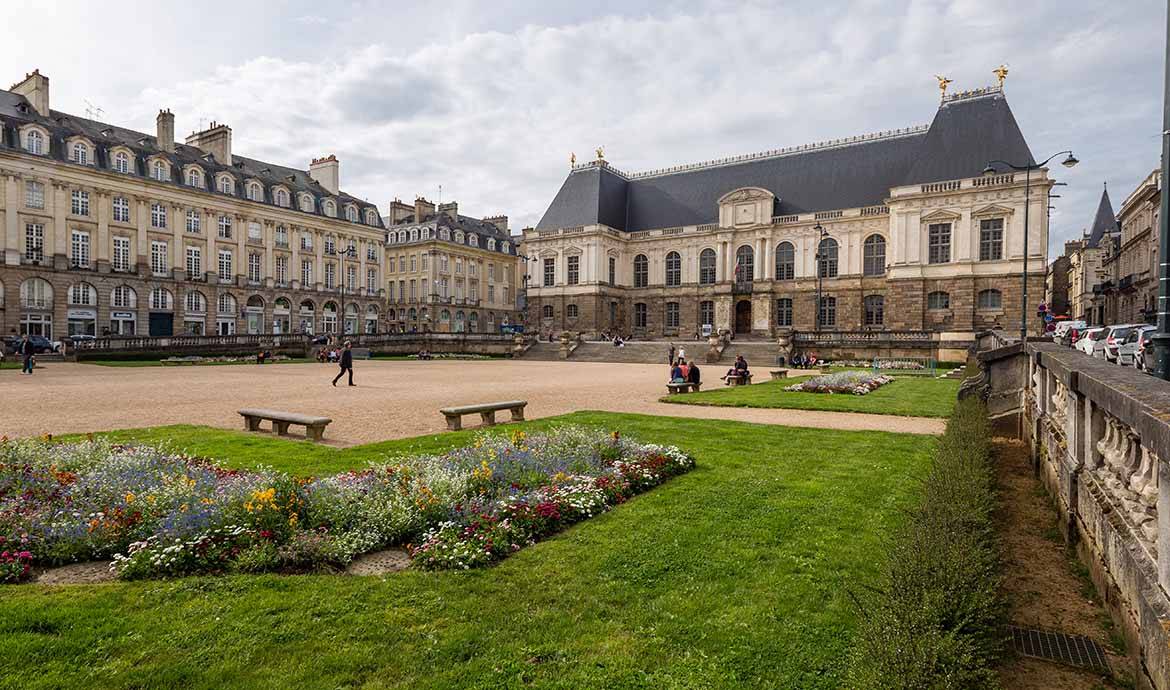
[142, 240]
[210, 233]
[269, 270]
[61, 206]
[240, 260]
[294, 268]
[101, 249]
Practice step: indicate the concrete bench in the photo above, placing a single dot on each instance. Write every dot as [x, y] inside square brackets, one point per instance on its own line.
[779, 374]
[314, 426]
[739, 380]
[487, 412]
[682, 387]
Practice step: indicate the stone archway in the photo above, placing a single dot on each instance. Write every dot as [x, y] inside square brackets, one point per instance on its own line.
[743, 316]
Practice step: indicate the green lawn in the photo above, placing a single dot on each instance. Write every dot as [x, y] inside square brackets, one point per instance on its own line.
[158, 363]
[908, 396]
[733, 575]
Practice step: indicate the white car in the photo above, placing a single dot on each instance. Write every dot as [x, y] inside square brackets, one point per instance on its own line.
[1064, 328]
[1111, 341]
[1088, 339]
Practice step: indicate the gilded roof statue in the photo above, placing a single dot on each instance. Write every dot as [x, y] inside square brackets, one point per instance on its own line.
[600, 153]
[1000, 73]
[943, 83]
[572, 159]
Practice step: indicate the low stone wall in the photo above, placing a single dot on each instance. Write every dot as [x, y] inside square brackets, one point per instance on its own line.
[1100, 441]
[293, 346]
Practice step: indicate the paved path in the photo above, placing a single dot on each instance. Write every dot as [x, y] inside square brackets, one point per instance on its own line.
[392, 399]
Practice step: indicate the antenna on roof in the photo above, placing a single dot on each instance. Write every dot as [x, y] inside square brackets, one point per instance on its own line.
[440, 195]
[92, 111]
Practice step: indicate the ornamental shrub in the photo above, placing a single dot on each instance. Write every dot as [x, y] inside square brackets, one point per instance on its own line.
[934, 621]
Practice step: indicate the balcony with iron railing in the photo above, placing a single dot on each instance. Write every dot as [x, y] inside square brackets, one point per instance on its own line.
[741, 287]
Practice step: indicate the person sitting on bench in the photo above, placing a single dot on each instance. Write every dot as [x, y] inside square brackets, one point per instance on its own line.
[739, 371]
[676, 375]
[693, 374]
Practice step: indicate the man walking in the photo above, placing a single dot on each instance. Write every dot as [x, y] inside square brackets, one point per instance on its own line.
[346, 363]
[27, 350]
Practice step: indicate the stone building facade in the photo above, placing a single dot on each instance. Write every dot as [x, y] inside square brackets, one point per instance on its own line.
[900, 231]
[107, 230]
[449, 273]
[1087, 279]
[1131, 268]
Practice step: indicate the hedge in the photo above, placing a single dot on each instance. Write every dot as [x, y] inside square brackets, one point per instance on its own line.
[935, 621]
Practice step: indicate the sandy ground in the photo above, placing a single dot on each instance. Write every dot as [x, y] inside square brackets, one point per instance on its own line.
[393, 399]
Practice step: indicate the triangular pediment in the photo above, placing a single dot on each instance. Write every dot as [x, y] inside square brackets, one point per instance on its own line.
[940, 216]
[992, 210]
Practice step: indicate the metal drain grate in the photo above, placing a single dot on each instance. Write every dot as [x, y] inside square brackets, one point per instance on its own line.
[1072, 650]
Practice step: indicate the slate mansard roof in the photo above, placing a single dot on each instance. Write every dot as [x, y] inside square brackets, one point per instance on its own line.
[1105, 221]
[968, 131]
[16, 111]
[505, 243]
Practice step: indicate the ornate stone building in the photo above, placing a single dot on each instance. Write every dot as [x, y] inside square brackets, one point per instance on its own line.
[1086, 274]
[449, 273]
[111, 230]
[901, 230]
[1131, 268]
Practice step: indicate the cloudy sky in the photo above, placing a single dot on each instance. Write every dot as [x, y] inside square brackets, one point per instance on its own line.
[488, 99]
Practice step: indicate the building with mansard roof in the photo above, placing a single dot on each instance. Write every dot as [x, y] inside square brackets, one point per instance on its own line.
[1088, 281]
[901, 231]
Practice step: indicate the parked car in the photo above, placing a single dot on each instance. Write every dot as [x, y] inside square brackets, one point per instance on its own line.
[1126, 353]
[1114, 337]
[1065, 330]
[1088, 339]
[1144, 357]
[41, 344]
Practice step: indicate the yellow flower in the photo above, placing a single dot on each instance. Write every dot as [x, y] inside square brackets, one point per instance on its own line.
[292, 520]
[129, 497]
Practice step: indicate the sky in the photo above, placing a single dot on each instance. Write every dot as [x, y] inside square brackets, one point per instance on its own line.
[488, 99]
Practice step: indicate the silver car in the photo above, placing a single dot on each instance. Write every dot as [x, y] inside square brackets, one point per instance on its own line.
[1112, 339]
[1128, 350]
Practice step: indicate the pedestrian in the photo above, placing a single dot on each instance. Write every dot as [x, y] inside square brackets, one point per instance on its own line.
[346, 364]
[27, 350]
[670, 357]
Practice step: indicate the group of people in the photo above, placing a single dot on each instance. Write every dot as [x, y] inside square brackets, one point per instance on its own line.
[683, 372]
[803, 361]
[617, 339]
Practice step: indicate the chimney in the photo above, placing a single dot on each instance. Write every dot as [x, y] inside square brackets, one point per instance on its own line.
[399, 211]
[166, 130]
[501, 222]
[451, 209]
[216, 140]
[35, 88]
[326, 172]
[422, 209]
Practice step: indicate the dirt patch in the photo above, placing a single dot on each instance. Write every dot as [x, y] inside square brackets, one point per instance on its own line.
[76, 574]
[379, 562]
[1043, 581]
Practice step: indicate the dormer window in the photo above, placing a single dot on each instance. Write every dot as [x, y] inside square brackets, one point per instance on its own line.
[161, 171]
[254, 192]
[491, 244]
[459, 237]
[330, 209]
[473, 240]
[122, 162]
[194, 178]
[307, 203]
[282, 198]
[80, 153]
[34, 142]
[351, 214]
[444, 234]
[226, 184]
[371, 217]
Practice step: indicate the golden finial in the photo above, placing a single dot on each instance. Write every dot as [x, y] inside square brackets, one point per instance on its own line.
[943, 83]
[1000, 73]
[600, 153]
[572, 159]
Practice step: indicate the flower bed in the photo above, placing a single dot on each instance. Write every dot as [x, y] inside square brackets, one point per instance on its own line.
[886, 364]
[159, 513]
[855, 382]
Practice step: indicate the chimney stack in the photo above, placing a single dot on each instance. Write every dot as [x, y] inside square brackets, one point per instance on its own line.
[166, 130]
[451, 209]
[35, 88]
[326, 172]
[422, 209]
[399, 211]
[501, 222]
[216, 140]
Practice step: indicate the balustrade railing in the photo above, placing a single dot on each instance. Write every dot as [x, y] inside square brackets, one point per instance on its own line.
[851, 337]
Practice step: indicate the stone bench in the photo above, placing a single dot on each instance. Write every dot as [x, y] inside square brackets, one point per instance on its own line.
[170, 361]
[314, 426]
[487, 412]
[682, 387]
[779, 374]
[739, 380]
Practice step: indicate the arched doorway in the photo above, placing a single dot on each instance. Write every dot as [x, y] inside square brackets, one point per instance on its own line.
[743, 316]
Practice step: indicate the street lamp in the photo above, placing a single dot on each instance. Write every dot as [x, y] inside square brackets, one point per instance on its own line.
[351, 253]
[1068, 162]
[822, 234]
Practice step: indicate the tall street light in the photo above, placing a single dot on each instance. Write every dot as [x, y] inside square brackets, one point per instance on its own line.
[822, 234]
[1162, 335]
[1068, 162]
[348, 252]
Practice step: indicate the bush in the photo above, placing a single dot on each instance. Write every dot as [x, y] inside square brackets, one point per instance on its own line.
[935, 621]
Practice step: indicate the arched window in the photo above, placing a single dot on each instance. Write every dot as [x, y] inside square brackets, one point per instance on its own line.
[123, 297]
[641, 271]
[281, 304]
[254, 193]
[226, 184]
[785, 261]
[34, 142]
[707, 267]
[194, 179]
[161, 172]
[282, 198]
[745, 264]
[351, 214]
[307, 203]
[256, 301]
[990, 299]
[874, 256]
[938, 300]
[546, 311]
[413, 314]
[308, 306]
[83, 295]
[330, 209]
[36, 293]
[226, 305]
[571, 311]
[828, 311]
[371, 217]
[195, 303]
[122, 162]
[81, 153]
[673, 269]
[162, 300]
[827, 258]
[875, 310]
[445, 316]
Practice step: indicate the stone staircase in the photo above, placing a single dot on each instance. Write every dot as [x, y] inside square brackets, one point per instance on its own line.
[543, 352]
[760, 354]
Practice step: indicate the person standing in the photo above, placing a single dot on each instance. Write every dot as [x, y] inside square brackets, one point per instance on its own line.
[670, 357]
[27, 350]
[346, 364]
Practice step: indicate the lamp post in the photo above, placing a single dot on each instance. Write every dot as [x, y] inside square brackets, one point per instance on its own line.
[1068, 162]
[351, 253]
[822, 233]
[1162, 335]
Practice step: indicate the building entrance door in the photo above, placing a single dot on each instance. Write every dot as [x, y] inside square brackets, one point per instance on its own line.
[743, 316]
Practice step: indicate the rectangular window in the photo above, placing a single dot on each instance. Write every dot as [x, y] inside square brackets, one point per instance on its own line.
[194, 263]
[121, 210]
[330, 276]
[550, 272]
[34, 242]
[413, 291]
[574, 267]
[639, 315]
[371, 253]
[225, 227]
[413, 263]
[875, 310]
[121, 253]
[402, 264]
[828, 311]
[225, 265]
[784, 312]
[491, 272]
[612, 271]
[939, 243]
[281, 270]
[254, 273]
[402, 291]
[371, 281]
[80, 249]
[706, 313]
[350, 277]
[306, 241]
[159, 264]
[281, 236]
[672, 314]
[34, 194]
[991, 239]
[424, 262]
[158, 216]
[459, 266]
[306, 273]
[444, 288]
[80, 205]
[255, 232]
[491, 294]
[193, 221]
